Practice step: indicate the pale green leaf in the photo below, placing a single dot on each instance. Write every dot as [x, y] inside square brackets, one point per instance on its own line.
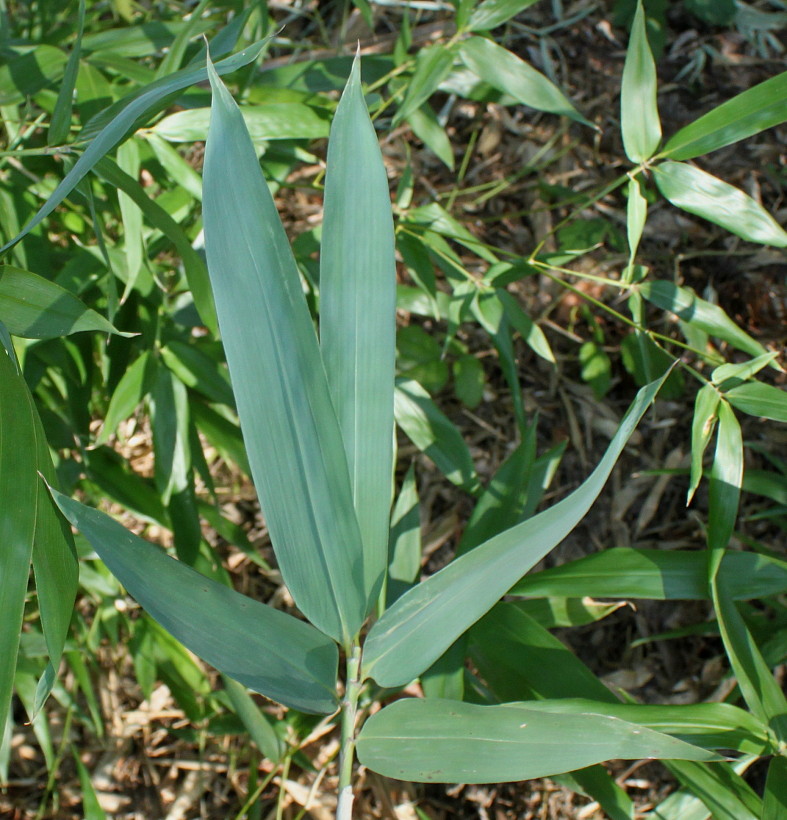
[508, 73]
[758, 399]
[37, 308]
[639, 113]
[432, 66]
[700, 193]
[663, 575]
[701, 314]
[702, 425]
[357, 317]
[425, 621]
[491, 13]
[449, 741]
[289, 424]
[760, 107]
[266, 650]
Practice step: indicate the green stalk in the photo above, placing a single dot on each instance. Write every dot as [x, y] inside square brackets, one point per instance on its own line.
[349, 707]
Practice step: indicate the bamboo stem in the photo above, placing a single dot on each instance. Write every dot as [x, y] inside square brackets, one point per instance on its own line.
[349, 708]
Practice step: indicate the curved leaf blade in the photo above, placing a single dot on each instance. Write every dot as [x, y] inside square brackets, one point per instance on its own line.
[425, 621]
[506, 72]
[703, 194]
[266, 650]
[447, 741]
[292, 435]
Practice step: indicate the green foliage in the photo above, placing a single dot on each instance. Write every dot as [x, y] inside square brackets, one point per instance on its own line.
[115, 307]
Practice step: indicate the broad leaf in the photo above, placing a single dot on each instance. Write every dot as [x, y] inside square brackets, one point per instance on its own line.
[449, 741]
[491, 13]
[639, 113]
[425, 621]
[750, 112]
[357, 317]
[266, 650]
[700, 193]
[289, 424]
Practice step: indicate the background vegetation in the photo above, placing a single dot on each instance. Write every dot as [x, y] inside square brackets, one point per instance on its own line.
[548, 266]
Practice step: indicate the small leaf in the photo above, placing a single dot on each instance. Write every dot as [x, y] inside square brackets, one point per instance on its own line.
[37, 308]
[448, 741]
[700, 193]
[266, 650]
[432, 66]
[506, 72]
[639, 113]
[758, 399]
[702, 425]
[491, 13]
[700, 314]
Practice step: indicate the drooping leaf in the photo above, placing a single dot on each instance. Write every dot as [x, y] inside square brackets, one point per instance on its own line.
[505, 71]
[425, 621]
[702, 425]
[293, 438]
[639, 113]
[705, 195]
[699, 313]
[448, 741]
[266, 650]
[357, 317]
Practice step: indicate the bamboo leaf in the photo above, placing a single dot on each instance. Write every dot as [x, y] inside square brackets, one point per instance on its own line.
[289, 424]
[266, 650]
[748, 113]
[700, 193]
[506, 72]
[449, 741]
[491, 13]
[37, 308]
[357, 318]
[662, 575]
[432, 66]
[758, 399]
[775, 797]
[701, 314]
[60, 124]
[639, 113]
[122, 121]
[702, 425]
[425, 621]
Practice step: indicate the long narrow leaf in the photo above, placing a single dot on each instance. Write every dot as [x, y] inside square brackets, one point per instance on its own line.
[292, 435]
[449, 741]
[750, 112]
[120, 124]
[267, 650]
[357, 317]
[425, 621]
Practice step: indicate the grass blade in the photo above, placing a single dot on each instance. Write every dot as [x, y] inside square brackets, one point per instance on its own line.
[357, 317]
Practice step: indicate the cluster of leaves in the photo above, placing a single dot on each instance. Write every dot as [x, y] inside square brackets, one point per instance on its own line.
[107, 305]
